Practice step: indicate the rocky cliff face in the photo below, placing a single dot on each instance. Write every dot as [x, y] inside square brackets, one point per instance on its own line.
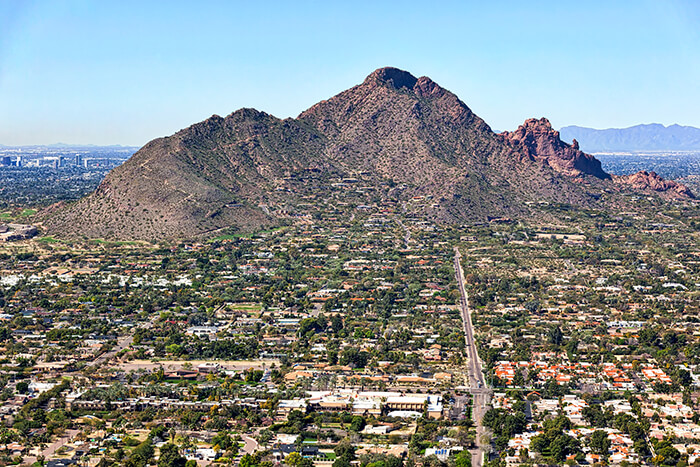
[539, 141]
[651, 181]
[402, 130]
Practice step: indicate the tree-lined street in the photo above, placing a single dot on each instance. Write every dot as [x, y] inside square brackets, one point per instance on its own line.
[477, 384]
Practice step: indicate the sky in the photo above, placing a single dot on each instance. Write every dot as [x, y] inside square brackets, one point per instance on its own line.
[125, 72]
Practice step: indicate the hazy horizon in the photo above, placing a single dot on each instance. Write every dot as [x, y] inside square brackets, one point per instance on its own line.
[59, 144]
[125, 73]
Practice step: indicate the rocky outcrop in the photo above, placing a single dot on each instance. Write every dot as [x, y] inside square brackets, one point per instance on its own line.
[651, 181]
[537, 140]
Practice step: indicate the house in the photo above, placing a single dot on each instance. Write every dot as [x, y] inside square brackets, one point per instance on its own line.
[202, 331]
[286, 406]
[209, 367]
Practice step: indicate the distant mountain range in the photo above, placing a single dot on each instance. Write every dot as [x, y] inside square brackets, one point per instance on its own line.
[651, 137]
[405, 138]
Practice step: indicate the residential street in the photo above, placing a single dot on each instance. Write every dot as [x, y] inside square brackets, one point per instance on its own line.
[51, 449]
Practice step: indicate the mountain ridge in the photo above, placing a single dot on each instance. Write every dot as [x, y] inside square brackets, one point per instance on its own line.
[643, 137]
[249, 169]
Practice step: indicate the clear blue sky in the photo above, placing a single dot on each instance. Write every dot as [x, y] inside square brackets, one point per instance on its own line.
[122, 72]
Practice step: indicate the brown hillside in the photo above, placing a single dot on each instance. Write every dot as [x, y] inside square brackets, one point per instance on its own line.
[225, 172]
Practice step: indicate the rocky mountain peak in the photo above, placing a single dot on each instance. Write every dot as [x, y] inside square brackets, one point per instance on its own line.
[537, 139]
[393, 77]
[398, 79]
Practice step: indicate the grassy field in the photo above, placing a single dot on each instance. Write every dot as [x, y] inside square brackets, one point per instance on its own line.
[17, 215]
[27, 212]
[48, 240]
[254, 307]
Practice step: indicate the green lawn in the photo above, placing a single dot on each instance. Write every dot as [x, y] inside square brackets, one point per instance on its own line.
[48, 240]
[225, 237]
[27, 212]
[9, 216]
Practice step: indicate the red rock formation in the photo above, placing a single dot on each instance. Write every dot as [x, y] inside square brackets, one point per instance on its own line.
[539, 141]
[644, 180]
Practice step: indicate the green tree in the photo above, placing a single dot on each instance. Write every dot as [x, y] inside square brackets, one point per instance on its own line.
[666, 454]
[295, 459]
[170, 456]
[159, 432]
[354, 357]
[357, 424]
[553, 442]
[345, 453]
[555, 335]
[599, 442]
[223, 440]
[141, 455]
[463, 459]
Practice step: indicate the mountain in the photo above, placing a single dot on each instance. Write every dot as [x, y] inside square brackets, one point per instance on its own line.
[652, 137]
[250, 169]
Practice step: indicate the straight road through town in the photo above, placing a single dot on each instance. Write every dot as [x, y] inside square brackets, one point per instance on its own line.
[476, 382]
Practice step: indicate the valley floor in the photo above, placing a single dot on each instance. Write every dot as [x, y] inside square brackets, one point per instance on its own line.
[352, 336]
